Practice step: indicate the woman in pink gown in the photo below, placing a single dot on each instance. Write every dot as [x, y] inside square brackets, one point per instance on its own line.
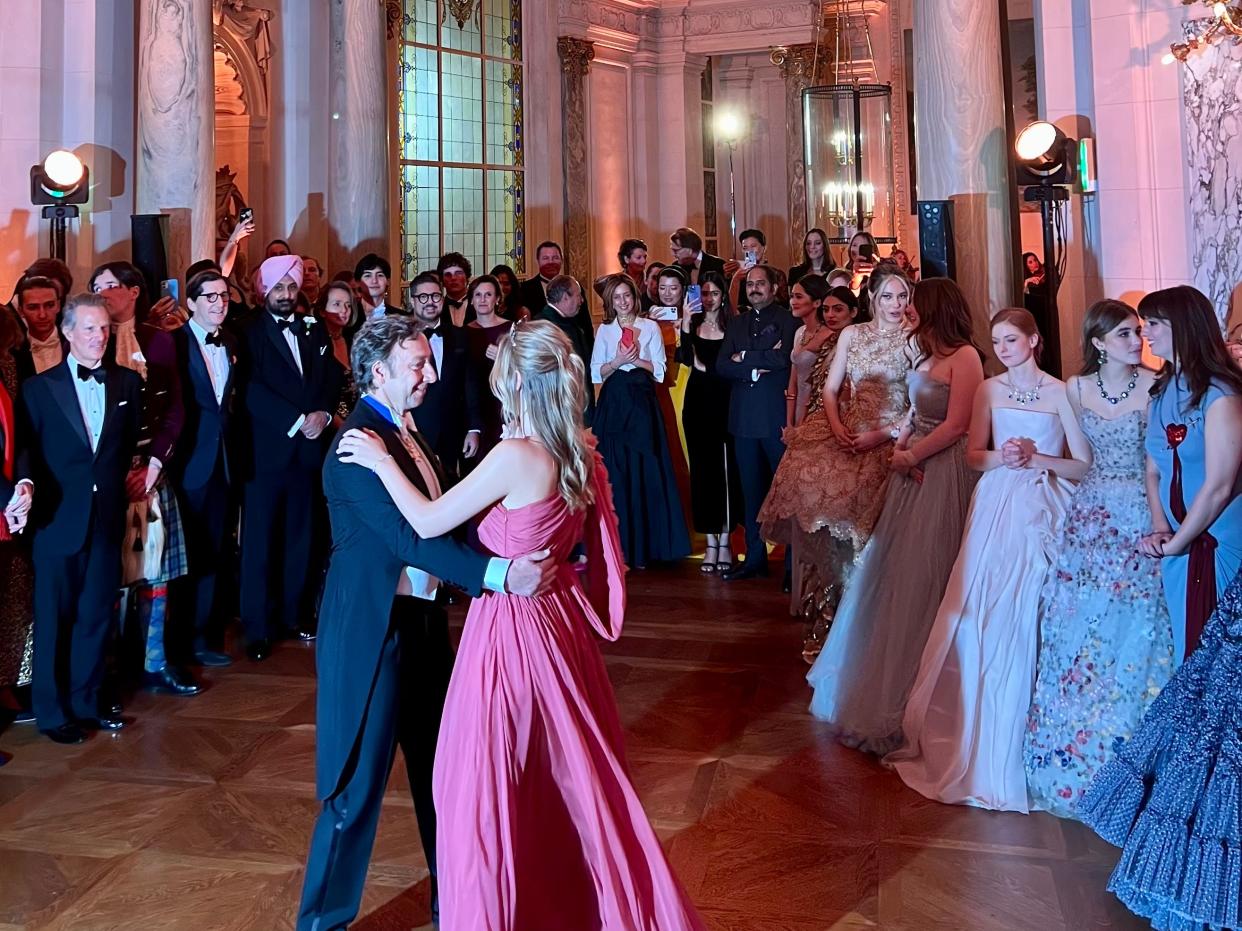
[539, 825]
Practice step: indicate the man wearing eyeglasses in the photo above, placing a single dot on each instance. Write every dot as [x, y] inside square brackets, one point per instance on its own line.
[207, 362]
[450, 416]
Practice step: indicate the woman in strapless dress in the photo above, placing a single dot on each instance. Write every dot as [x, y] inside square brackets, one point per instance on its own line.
[538, 822]
[863, 676]
[966, 717]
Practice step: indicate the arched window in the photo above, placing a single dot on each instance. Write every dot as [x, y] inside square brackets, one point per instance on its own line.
[462, 184]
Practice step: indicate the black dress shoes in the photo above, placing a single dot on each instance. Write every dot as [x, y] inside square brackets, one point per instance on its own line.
[212, 658]
[746, 571]
[170, 681]
[69, 733]
[306, 636]
[258, 651]
[102, 723]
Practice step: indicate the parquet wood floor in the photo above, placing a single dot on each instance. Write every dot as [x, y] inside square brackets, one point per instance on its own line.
[197, 816]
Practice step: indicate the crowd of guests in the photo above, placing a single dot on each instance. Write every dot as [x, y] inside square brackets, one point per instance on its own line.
[997, 576]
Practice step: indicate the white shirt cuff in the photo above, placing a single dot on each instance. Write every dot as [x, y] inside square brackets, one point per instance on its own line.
[297, 425]
[153, 461]
[474, 431]
[25, 481]
[497, 571]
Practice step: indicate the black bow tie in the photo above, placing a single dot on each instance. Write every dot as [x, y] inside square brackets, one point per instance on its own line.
[436, 331]
[283, 324]
[213, 339]
[85, 374]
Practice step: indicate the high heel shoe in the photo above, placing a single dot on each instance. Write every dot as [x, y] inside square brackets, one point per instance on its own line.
[709, 563]
[724, 562]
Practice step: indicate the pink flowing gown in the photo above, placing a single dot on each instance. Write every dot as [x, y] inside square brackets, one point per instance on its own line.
[539, 826]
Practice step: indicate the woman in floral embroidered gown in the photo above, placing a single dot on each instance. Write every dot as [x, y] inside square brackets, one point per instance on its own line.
[828, 488]
[1106, 642]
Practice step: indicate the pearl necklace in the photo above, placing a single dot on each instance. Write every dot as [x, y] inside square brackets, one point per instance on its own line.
[1099, 381]
[1028, 396]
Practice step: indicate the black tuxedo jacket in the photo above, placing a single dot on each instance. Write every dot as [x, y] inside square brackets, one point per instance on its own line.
[757, 407]
[71, 482]
[451, 405]
[206, 433]
[371, 545]
[275, 395]
[162, 413]
[535, 298]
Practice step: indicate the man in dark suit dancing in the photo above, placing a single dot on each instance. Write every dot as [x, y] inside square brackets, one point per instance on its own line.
[383, 654]
[207, 364]
[291, 382]
[81, 421]
[755, 357]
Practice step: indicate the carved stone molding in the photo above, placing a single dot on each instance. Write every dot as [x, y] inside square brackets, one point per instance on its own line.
[734, 27]
[903, 197]
[796, 63]
[576, 57]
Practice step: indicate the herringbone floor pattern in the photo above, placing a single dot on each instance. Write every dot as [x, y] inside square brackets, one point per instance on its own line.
[197, 816]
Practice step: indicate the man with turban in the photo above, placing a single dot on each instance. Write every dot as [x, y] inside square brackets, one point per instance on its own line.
[291, 381]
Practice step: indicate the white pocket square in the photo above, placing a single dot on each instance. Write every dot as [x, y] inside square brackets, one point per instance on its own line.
[122, 403]
[322, 350]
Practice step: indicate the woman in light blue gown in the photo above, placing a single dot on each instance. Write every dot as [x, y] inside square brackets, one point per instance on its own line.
[863, 675]
[1106, 643]
[1193, 450]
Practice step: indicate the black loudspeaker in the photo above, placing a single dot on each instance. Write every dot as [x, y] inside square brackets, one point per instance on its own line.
[937, 255]
[149, 254]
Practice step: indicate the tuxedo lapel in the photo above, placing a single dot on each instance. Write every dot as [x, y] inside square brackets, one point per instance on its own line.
[277, 336]
[372, 419]
[61, 386]
[112, 396]
[196, 363]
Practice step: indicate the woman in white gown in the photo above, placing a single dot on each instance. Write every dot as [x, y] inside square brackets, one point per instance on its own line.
[965, 721]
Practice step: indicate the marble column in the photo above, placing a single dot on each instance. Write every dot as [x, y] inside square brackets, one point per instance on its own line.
[796, 63]
[961, 141]
[176, 116]
[576, 56]
[360, 173]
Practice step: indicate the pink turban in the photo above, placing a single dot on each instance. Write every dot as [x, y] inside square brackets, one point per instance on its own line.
[275, 268]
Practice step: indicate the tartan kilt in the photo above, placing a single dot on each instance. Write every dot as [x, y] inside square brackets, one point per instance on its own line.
[173, 562]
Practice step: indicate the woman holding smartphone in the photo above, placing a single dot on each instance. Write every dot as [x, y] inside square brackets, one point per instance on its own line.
[629, 361]
[715, 489]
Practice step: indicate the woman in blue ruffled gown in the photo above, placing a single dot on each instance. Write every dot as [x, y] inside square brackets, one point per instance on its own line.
[1170, 799]
[1105, 639]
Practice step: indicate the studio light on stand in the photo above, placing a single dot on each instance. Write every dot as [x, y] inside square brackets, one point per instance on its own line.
[58, 185]
[1047, 164]
[730, 128]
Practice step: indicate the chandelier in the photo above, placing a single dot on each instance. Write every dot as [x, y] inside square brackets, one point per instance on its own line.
[1221, 25]
[847, 130]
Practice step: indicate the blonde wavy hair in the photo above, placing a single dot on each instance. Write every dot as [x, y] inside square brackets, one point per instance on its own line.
[541, 385]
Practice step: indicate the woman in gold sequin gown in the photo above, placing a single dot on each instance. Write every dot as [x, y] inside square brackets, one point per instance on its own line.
[828, 489]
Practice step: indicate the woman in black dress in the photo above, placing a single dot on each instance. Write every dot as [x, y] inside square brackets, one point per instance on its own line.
[715, 491]
[483, 335]
[816, 257]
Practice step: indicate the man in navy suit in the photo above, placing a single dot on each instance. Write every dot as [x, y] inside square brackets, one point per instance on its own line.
[80, 421]
[383, 654]
[291, 382]
[206, 355]
[755, 357]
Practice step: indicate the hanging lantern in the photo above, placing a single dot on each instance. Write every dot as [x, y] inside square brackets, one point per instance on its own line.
[848, 137]
[849, 165]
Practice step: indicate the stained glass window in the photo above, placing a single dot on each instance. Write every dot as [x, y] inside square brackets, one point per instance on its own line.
[462, 154]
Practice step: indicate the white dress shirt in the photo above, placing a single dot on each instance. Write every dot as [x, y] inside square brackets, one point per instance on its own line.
[650, 348]
[92, 398]
[291, 340]
[216, 357]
